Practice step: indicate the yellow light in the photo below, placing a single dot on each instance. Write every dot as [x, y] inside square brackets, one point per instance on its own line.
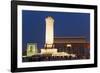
[48, 51]
[69, 45]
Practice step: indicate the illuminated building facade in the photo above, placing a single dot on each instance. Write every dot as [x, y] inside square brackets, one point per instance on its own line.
[31, 49]
[76, 45]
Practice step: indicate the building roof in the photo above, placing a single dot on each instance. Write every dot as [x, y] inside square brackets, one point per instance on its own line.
[70, 40]
[80, 37]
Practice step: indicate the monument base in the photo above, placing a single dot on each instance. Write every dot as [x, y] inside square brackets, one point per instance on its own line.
[54, 52]
[49, 51]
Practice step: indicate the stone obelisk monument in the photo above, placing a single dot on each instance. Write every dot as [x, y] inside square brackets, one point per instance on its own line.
[49, 47]
[49, 37]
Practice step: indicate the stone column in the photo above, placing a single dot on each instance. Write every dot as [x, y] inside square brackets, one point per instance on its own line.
[49, 31]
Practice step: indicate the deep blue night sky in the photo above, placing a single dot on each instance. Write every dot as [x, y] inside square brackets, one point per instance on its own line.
[65, 24]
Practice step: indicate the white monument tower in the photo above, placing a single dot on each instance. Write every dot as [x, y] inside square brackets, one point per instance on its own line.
[49, 38]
